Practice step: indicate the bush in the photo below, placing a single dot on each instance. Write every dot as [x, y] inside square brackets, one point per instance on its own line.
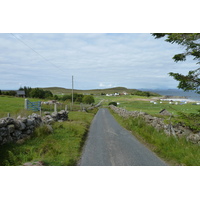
[9, 93]
[66, 97]
[142, 93]
[88, 99]
[40, 93]
[113, 103]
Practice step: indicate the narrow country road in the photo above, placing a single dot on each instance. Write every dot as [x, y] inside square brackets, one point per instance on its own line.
[108, 144]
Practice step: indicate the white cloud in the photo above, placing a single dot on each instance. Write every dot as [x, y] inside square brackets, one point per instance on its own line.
[106, 85]
[95, 60]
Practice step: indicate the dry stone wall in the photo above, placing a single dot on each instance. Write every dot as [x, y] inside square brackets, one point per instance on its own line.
[158, 123]
[12, 130]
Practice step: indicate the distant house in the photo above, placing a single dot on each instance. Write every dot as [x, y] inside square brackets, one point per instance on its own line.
[20, 93]
[109, 95]
[124, 93]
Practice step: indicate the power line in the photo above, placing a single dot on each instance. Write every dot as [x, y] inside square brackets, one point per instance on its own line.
[36, 52]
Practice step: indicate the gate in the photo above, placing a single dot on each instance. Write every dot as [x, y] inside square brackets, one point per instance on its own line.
[34, 106]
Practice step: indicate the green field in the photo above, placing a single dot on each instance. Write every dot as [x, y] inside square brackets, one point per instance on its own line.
[13, 105]
[131, 103]
[150, 108]
[187, 114]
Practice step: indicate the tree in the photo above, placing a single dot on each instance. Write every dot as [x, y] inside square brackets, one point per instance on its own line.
[12, 93]
[88, 99]
[191, 44]
[66, 97]
[37, 93]
[48, 94]
[78, 97]
[141, 93]
[27, 90]
[56, 97]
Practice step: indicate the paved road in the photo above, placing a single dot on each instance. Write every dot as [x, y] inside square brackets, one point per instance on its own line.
[108, 144]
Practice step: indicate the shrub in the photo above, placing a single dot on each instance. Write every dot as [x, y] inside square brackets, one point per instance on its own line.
[113, 103]
[40, 93]
[88, 99]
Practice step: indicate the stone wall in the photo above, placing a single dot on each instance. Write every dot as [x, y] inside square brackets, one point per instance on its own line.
[12, 130]
[158, 123]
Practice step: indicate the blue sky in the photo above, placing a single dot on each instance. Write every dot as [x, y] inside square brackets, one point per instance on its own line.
[132, 60]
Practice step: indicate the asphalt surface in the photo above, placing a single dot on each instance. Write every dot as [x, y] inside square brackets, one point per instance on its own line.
[109, 144]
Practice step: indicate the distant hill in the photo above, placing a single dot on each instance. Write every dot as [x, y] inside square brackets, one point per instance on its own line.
[61, 91]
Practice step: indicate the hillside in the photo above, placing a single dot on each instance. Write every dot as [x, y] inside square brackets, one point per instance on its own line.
[61, 91]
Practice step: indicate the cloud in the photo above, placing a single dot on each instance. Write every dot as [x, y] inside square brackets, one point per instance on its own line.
[106, 85]
[95, 60]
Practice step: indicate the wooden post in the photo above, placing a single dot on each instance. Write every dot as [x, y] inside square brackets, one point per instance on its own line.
[26, 104]
[55, 107]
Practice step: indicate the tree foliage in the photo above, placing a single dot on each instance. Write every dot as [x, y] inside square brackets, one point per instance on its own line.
[76, 97]
[40, 93]
[9, 93]
[36, 92]
[191, 44]
[141, 93]
[88, 99]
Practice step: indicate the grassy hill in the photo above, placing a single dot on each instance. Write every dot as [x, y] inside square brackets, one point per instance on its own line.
[61, 91]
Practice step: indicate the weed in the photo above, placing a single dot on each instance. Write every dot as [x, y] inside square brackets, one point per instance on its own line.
[11, 158]
[43, 130]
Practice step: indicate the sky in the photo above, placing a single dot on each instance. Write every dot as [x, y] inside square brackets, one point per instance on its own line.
[95, 60]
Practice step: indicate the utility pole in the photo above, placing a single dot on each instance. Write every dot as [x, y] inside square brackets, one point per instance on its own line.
[72, 91]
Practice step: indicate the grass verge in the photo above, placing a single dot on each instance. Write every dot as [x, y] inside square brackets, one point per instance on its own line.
[173, 151]
[62, 147]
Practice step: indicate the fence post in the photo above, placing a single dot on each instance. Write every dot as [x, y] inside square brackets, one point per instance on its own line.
[26, 104]
[66, 108]
[70, 105]
[55, 107]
